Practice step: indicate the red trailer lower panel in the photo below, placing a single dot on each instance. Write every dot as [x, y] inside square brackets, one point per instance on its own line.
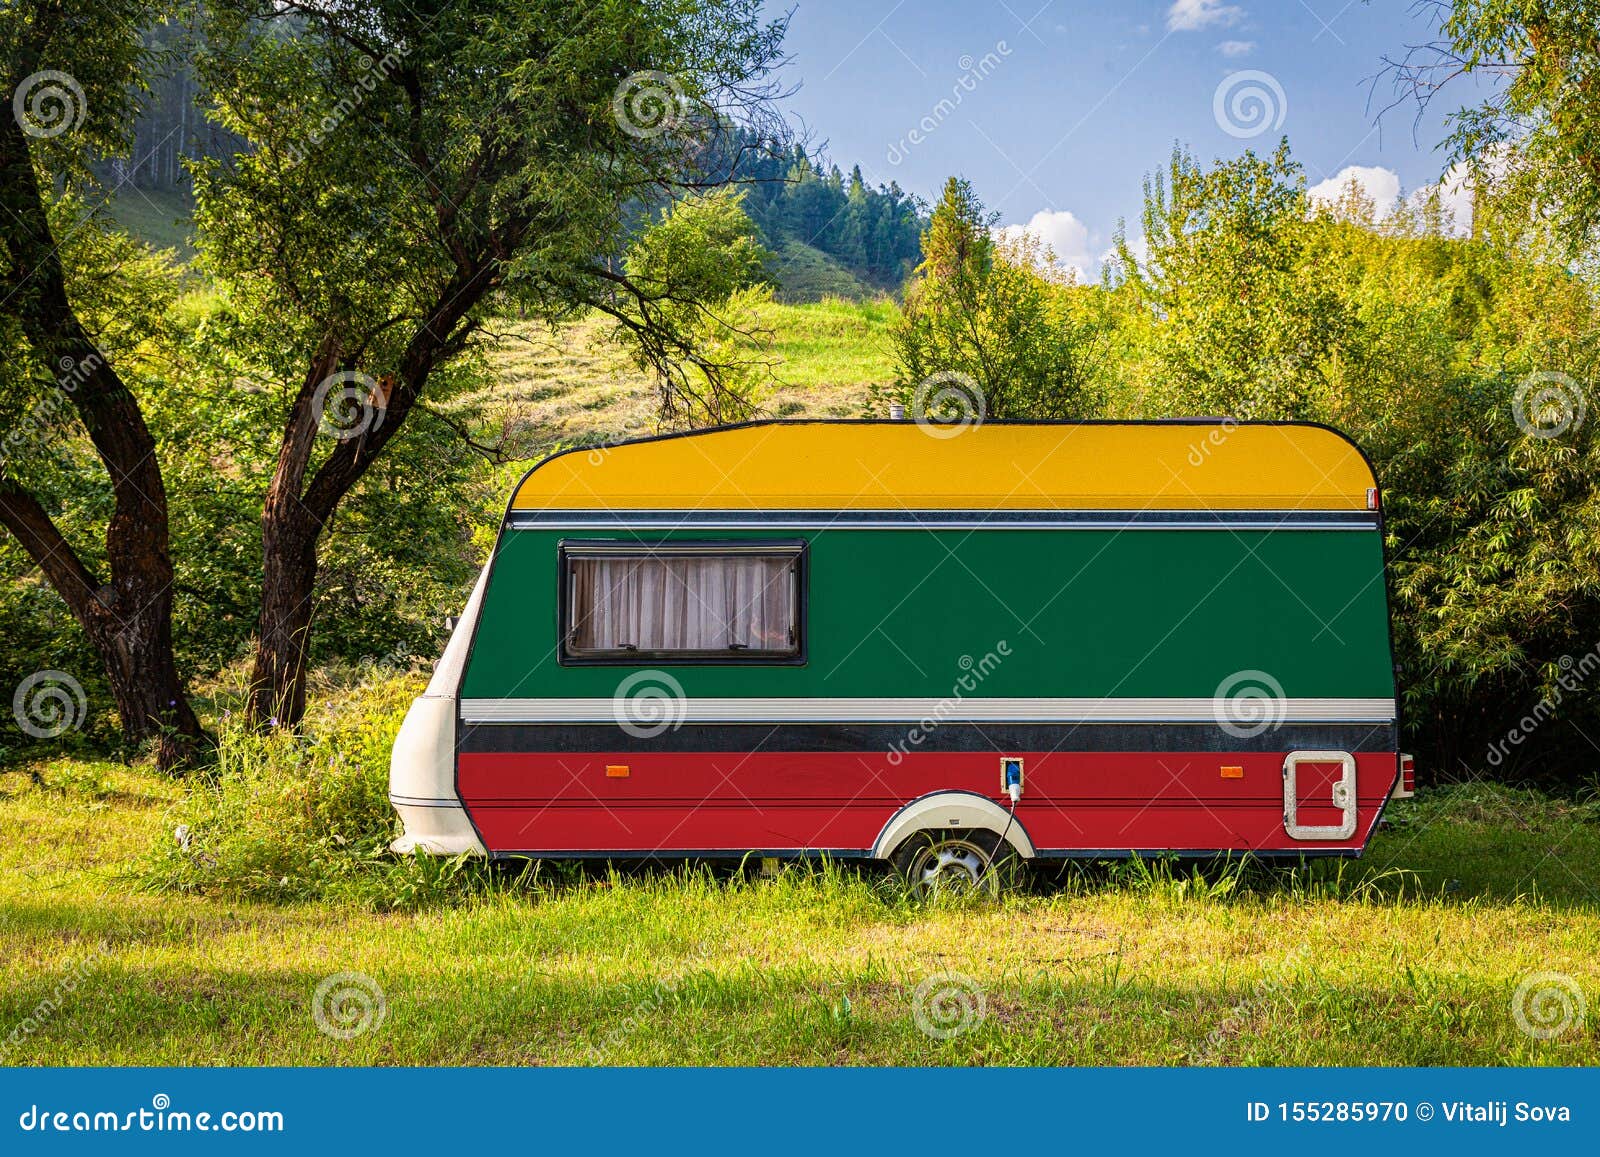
[673, 803]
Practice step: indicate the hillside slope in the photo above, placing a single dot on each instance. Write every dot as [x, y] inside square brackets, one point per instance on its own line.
[804, 273]
[572, 384]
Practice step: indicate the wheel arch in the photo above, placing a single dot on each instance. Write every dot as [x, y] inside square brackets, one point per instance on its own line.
[959, 810]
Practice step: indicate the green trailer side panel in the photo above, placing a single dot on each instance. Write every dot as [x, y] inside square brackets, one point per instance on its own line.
[1147, 613]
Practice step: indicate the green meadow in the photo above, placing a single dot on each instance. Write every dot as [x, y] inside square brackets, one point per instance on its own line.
[571, 383]
[122, 946]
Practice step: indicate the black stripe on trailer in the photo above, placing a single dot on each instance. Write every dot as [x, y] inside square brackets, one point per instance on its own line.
[570, 738]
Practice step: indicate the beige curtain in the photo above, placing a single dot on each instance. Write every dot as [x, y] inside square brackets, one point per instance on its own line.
[684, 603]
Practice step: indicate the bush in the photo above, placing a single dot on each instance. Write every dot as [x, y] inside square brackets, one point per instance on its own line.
[305, 815]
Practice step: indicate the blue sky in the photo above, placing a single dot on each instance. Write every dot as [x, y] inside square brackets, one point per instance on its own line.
[1056, 111]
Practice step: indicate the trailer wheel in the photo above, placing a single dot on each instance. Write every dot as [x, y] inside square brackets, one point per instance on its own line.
[953, 863]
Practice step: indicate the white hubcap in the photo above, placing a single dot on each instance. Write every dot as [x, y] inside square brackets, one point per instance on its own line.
[951, 866]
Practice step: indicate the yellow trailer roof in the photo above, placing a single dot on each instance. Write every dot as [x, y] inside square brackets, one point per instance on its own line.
[787, 465]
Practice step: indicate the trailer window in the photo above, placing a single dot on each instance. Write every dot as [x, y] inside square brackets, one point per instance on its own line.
[727, 604]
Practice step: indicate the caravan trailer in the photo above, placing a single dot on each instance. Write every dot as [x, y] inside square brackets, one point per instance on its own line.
[936, 646]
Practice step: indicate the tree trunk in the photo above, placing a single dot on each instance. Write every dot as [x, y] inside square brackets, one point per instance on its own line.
[143, 672]
[288, 583]
[129, 624]
[290, 527]
[128, 618]
[297, 510]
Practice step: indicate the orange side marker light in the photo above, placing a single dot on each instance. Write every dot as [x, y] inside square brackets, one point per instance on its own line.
[1233, 773]
[617, 771]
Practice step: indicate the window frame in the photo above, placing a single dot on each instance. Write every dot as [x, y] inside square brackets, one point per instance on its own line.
[567, 550]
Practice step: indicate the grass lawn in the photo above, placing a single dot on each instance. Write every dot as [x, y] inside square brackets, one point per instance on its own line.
[572, 384]
[805, 273]
[1410, 956]
[156, 216]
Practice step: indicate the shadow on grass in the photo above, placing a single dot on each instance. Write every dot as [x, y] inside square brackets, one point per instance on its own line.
[363, 1008]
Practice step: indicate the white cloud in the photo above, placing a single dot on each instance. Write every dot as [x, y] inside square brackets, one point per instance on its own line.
[1457, 189]
[1067, 237]
[1188, 15]
[1455, 193]
[1138, 249]
[1378, 183]
[1383, 186]
[1236, 47]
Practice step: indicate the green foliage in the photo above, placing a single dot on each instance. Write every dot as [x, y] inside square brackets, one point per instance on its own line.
[991, 327]
[1536, 138]
[701, 270]
[401, 555]
[509, 114]
[796, 200]
[408, 177]
[296, 816]
[1433, 353]
[702, 248]
[1248, 317]
[101, 47]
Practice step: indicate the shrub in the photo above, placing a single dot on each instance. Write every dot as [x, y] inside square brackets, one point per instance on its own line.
[304, 815]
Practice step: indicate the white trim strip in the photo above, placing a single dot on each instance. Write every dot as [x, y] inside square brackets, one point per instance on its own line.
[676, 712]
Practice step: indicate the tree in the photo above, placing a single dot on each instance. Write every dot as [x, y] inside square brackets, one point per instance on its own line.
[1464, 368]
[991, 327]
[1536, 137]
[705, 266]
[412, 167]
[1247, 317]
[74, 73]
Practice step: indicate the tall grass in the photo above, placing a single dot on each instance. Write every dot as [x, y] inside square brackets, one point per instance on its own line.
[1412, 955]
[304, 814]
